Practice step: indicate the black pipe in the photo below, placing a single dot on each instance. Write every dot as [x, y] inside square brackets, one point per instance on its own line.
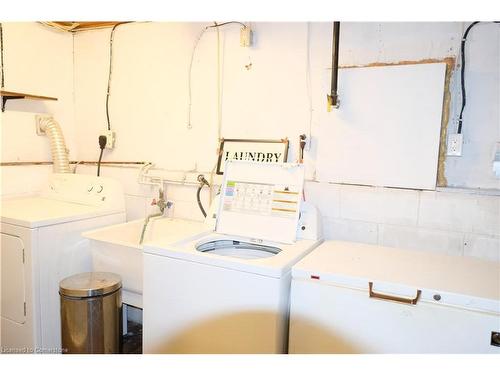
[335, 64]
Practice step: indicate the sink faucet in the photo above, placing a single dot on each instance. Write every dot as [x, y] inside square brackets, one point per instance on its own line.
[162, 204]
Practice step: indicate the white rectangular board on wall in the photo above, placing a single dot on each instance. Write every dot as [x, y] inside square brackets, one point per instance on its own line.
[386, 131]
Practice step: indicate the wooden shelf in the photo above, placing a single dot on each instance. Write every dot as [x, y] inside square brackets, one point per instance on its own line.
[73, 26]
[9, 95]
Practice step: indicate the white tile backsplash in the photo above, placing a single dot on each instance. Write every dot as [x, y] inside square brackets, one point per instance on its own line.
[486, 216]
[135, 206]
[482, 247]
[325, 196]
[460, 223]
[188, 210]
[446, 211]
[460, 212]
[349, 230]
[399, 206]
[423, 239]
[379, 205]
[360, 203]
[447, 222]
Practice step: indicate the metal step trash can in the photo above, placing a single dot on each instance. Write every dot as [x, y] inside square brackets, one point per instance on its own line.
[91, 313]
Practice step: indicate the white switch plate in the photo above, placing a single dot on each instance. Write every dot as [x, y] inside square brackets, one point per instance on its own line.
[455, 143]
[496, 161]
[38, 121]
[246, 37]
[110, 138]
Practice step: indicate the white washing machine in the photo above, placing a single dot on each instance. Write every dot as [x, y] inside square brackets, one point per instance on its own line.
[227, 291]
[41, 245]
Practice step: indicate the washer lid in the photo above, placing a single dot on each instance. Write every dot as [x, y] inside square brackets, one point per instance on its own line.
[261, 201]
[90, 284]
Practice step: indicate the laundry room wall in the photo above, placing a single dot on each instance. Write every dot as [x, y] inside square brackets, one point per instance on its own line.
[277, 88]
[37, 60]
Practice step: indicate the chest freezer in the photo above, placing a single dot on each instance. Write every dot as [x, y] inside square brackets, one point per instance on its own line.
[356, 298]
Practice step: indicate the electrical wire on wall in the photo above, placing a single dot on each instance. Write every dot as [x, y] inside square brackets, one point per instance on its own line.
[190, 91]
[462, 73]
[103, 139]
[1, 56]
[219, 93]
[111, 37]
[308, 82]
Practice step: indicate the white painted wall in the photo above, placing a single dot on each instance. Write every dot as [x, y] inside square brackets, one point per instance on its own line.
[277, 97]
[481, 126]
[37, 60]
[148, 109]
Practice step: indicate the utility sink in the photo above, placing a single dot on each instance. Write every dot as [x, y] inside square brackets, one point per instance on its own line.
[116, 249]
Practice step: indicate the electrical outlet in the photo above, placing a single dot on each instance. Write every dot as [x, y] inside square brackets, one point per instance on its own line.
[110, 138]
[455, 143]
[38, 122]
[496, 161]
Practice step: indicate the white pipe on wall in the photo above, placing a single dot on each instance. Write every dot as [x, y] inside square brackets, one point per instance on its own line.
[57, 144]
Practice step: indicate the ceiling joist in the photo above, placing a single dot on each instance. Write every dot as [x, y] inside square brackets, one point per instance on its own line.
[73, 26]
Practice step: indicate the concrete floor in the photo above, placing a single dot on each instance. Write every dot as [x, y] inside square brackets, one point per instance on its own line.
[132, 341]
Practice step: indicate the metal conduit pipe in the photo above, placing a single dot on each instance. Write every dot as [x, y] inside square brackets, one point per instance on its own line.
[333, 97]
[57, 145]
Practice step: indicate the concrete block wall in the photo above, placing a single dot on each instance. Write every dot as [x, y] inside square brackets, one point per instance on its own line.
[138, 197]
[461, 221]
[464, 223]
[458, 223]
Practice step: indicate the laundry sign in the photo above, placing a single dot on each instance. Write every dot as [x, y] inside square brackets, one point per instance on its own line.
[258, 150]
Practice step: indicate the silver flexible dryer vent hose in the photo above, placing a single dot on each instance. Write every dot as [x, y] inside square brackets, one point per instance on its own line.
[57, 144]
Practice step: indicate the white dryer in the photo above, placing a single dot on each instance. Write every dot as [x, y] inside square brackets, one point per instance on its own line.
[227, 291]
[41, 245]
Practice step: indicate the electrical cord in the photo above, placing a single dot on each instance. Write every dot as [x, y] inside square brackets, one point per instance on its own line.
[99, 164]
[462, 73]
[102, 145]
[227, 23]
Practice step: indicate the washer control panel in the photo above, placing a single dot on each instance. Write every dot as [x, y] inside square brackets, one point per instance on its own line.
[85, 189]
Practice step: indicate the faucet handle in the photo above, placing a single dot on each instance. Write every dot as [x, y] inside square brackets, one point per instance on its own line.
[154, 202]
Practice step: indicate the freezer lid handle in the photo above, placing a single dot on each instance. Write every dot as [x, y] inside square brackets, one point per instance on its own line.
[409, 301]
